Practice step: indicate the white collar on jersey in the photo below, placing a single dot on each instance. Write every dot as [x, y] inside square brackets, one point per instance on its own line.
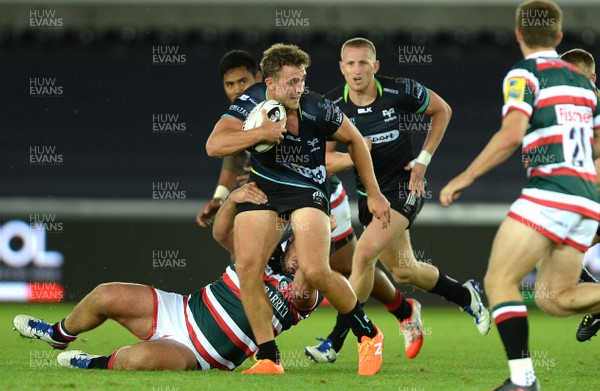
[543, 53]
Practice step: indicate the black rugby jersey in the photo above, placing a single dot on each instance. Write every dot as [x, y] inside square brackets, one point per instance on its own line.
[296, 161]
[389, 123]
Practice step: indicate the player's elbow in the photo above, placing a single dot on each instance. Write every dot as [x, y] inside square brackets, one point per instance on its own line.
[443, 112]
[512, 139]
[213, 149]
[447, 110]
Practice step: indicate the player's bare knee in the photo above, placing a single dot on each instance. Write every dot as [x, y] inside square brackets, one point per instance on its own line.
[105, 295]
[365, 252]
[317, 276]
[249, 269]
[550, 306]
[139, 360]
[554, 303]
[363, 261]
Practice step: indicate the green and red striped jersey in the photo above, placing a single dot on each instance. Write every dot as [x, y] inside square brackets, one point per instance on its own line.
[562, 106]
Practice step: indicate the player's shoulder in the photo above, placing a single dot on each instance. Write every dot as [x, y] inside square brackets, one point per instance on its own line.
[314, 102]
[396, 85]
[256, 93]
[336, 95]
[401, 88]
[528, 64]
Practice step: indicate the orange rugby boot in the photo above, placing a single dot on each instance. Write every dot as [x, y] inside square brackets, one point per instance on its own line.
[265, 367]
[370, 354]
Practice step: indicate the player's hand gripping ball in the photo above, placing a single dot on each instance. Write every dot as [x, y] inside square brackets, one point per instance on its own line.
[275, 112]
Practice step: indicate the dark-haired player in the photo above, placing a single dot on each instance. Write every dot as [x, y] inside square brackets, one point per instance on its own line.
[239, 70]
[293, 176]
[551, 109]
[584, 62]
[204, 330]
[378, 106]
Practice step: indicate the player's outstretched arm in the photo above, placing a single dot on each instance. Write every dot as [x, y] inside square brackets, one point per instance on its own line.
[359, 152]
[440, 113]
[223, 227]
[232, 168]
[497, 150]
[228, 138]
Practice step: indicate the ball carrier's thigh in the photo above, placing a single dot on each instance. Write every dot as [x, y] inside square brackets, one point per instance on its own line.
[256, 234]
[312, 232]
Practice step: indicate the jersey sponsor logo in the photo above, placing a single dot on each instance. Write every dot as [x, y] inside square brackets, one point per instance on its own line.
[514, 89]
[290, 137]
[318, 174]
[239, 109]
[278, 302]
[384, 137]
[364, 110]
[391, 91]
[571, 114]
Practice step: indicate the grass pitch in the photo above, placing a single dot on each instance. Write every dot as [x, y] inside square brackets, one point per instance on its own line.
[454, 357]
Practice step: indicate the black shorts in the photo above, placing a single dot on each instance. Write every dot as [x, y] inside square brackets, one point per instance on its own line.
[401, 201]
[284, 199]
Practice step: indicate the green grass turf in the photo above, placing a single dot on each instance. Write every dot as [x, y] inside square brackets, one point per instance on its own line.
[454, 357]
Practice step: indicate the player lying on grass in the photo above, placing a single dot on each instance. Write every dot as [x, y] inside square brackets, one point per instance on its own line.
[206, 329]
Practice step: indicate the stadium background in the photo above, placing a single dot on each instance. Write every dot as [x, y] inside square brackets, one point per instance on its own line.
[110, 157]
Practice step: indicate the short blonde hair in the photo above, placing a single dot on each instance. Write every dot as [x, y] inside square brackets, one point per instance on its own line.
[359, 43]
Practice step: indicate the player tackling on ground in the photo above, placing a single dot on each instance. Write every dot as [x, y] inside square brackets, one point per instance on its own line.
[552, 110]
[204, 330]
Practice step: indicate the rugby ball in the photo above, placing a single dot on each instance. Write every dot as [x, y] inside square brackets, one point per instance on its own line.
[275, 112]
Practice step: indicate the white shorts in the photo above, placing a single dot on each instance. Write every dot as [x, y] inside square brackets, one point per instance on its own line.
[340, 209]
[560, 226]
[169, 322]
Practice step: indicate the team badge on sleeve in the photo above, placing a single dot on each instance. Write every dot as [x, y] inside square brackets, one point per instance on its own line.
[514, 89]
